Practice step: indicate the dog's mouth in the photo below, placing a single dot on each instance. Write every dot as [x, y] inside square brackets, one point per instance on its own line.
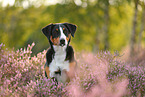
[62, 45]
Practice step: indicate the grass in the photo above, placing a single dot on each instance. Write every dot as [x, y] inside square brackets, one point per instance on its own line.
[98, 75]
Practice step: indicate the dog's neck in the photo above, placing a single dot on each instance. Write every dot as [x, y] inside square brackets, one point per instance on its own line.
[60, 53]
[59, 49]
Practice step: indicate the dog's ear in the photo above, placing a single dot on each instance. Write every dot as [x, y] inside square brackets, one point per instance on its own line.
[71, 27]
[47, 31]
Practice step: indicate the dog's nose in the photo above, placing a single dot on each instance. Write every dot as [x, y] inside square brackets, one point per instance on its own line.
[62, 42]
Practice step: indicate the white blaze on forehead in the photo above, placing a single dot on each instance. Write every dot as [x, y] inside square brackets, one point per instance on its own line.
[62, 35]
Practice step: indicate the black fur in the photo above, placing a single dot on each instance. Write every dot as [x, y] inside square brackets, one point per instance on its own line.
[58, 72]
[46, 74]
[69, 54]
[71, 28]
[49, 56]
[48, 31]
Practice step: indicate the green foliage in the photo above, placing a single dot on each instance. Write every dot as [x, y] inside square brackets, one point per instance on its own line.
[20, 26]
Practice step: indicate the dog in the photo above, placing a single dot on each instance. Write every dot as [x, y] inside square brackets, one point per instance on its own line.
[60, 62]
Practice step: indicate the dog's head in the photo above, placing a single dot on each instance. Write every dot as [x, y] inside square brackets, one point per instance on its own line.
[59, 34]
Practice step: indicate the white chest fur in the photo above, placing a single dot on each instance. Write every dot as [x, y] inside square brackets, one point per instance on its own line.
[58, 61]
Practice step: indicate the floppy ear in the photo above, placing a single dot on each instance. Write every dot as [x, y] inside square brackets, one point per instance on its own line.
[71, 28]
[47, 31]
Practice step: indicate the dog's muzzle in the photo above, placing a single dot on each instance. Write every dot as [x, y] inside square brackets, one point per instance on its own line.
[62, 42]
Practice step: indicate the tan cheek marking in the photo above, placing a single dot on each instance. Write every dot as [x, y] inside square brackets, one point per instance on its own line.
[51, 39]
[47, 71]
[56, 41]
[67, 38]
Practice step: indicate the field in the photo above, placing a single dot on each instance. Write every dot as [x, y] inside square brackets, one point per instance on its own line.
[98, 75]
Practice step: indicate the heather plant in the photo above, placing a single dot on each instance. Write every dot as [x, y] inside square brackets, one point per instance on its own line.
[18, 69]
[98, 75]
[136, 77]
[92, 81]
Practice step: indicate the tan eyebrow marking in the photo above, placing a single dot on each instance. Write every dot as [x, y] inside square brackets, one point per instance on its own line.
[63, 28]
[56, 29]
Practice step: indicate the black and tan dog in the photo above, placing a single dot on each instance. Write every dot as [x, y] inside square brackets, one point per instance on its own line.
[60, 62]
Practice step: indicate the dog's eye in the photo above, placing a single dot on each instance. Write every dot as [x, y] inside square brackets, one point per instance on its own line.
[56, 30]
[55, 33]
[65, 31]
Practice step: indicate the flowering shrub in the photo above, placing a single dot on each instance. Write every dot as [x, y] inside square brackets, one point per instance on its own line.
[97, 75]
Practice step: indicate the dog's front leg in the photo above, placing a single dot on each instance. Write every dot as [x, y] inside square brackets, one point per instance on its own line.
[72, 70]
[47, 71]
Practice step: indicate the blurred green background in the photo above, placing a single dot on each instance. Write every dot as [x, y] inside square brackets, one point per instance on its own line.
[102, 24]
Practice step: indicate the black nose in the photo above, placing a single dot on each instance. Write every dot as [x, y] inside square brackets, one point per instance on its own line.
[62, 42]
